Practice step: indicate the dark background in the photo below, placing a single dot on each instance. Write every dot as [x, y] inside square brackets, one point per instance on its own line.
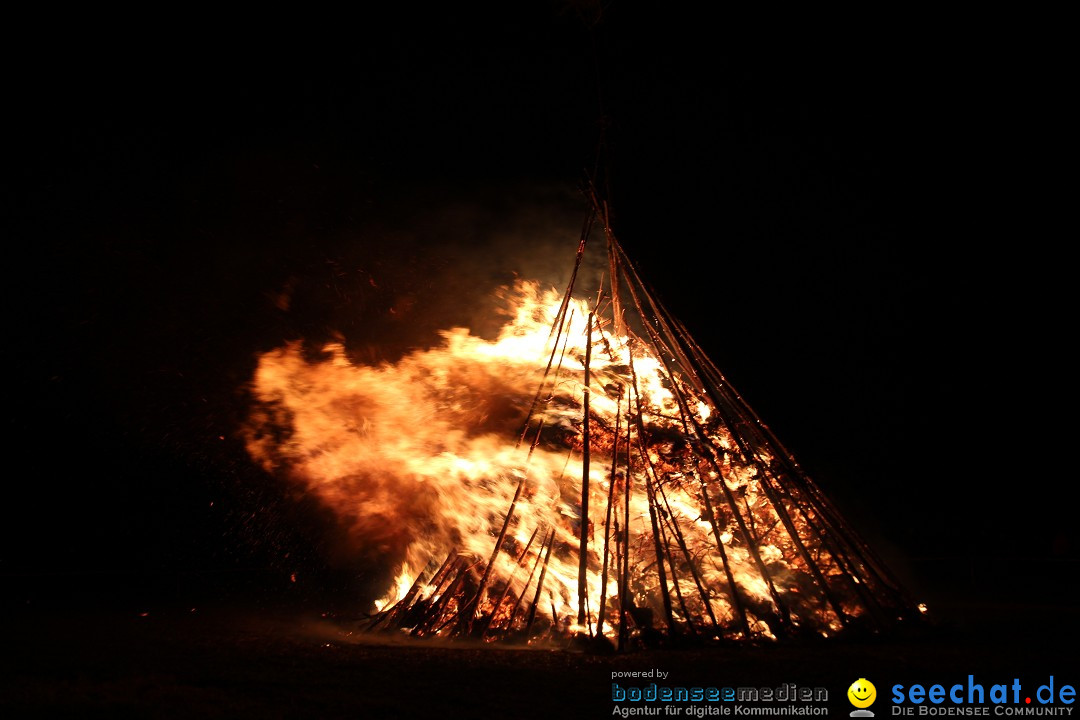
[859, 222]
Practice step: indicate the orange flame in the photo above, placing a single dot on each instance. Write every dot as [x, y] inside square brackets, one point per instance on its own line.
[421, 460]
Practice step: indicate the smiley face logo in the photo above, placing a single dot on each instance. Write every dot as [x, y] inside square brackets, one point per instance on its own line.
[862, 693]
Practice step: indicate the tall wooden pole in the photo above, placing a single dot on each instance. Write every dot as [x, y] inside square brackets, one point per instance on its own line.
[583, 545]
[607, 524]
[624, 578]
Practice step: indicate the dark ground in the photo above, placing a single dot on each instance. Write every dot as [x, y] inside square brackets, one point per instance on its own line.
[244, 661]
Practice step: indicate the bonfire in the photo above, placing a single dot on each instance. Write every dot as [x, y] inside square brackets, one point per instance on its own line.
[588, 473]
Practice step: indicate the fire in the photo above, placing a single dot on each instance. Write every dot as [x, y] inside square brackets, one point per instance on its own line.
[460, 468]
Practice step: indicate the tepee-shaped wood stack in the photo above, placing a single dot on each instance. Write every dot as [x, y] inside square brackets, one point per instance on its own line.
[692, 521]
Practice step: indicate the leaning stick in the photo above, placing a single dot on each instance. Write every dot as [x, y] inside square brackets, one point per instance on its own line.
[468, 612]
[664, 593]
[435, 610]
[681, 540]
[732, 503]
[403, 604]
[470, 609]
[528, 581]
[607, 524]
[540, 583]
[671, 561]
[506, 586]
[560, 319]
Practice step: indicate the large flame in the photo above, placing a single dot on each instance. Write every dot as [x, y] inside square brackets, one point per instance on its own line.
[460, 466]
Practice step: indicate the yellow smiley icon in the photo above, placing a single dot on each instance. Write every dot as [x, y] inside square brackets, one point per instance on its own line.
[862, 693]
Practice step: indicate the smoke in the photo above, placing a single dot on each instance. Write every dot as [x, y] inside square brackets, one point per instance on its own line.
[428, 259]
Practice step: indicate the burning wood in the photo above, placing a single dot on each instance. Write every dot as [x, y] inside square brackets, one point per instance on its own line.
[709, 528]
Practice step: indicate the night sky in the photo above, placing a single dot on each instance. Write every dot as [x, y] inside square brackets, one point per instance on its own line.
[860, 229]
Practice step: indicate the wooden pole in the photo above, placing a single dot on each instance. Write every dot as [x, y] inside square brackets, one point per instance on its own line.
[435, 611]
[624, 581]
[583, 543]
[733, 588]
[560, 318]
[666, 544]
[470, 608]
[673, 520]
[437, 580]
[562, 357]
[728, 401]
[607, 523]
[710, 515]
[751, 546]
[835, 524]
[507, 585]
[540, 583]
[401, 606]
[664, 593]
[528, 581]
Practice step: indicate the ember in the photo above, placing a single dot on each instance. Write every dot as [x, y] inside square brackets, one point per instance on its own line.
[587, 472]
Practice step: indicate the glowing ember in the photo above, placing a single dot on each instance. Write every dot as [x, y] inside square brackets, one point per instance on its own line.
[461, 468]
